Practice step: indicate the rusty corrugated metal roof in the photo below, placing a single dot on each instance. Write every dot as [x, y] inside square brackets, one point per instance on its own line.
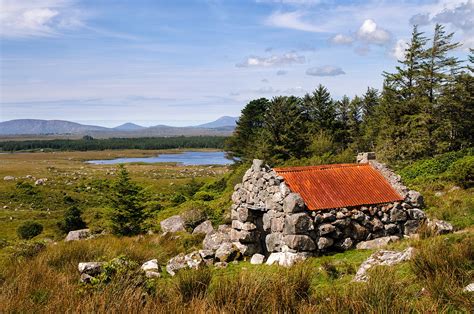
[339, 185]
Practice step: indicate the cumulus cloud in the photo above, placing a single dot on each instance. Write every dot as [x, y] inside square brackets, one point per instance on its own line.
[341, 39]
[264, 80]
[420, 19]
[370, 32]
[281, 72]
[292, 2]
[274, 60]
[28, 18]
[292, 20]
[398, 51]
[326, 70]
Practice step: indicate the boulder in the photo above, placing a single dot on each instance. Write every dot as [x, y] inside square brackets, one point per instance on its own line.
[40, 182]
[212, 241]
[440, 226]
[293, 203]
[8, 178]
[173, 224]
[78, 235]
[244, 236]
[204, 228]
[411, 227]
[85, 278]
[286, 259]
[298, 223]
[326, 228]
[416, 214]
[257, 259]
[344, 244]
[324, 243]
[207, 254]
[192, 260]
[391, 229]
[228, 252]
[90, 268]
[415, 198]
[151, 265]
[299, 242]
[376, 243]
[383, 258]
[273, 242]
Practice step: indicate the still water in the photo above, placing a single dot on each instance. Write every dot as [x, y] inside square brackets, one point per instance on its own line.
[189, 158]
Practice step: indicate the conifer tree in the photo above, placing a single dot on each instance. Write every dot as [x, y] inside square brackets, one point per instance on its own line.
[320, 110]
[72, 220]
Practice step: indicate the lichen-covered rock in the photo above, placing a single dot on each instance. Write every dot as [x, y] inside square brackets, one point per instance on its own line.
[286, 259]
[151, 265]
[192, 260]
[325, 229]
[90, 268]
[212, 241]
[173, 224]
[273, 242]
[204, 228]
[344, 245]
[415, 198]
[384, 258]
[293, 203]
[257, 259]
[324, 243]
[299, 242]
[299, 223]
[228, 252]
[248, 249]
[376, 243]
[391, 229]
[358, 232]
[440, 226]
[411, 226]
[77, 235]
[244, 236]
[416, 214]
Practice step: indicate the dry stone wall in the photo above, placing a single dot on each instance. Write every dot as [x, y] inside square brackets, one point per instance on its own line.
[268, 218]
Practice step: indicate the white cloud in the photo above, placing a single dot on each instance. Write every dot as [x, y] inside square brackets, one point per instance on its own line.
[370, 32]
[274, 60]
[292, 20]
[28, 18]
[326, 70]
[292, 2]
[341, 39]
[420, 19]
[281, 72]
[398, 51]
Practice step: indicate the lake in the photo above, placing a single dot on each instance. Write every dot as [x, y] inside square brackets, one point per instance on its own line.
[189, 158]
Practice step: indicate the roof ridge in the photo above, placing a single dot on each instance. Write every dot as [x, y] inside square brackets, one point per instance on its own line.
[319, 167]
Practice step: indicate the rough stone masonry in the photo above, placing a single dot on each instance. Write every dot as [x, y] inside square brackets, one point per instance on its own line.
[268, 218]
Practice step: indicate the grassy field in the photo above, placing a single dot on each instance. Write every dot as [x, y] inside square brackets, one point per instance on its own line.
[35, 277]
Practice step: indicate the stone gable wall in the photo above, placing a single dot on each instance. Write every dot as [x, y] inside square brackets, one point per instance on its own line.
[267, 217]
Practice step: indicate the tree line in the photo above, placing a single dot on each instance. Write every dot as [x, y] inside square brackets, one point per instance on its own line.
[88, 143]
[424, 108]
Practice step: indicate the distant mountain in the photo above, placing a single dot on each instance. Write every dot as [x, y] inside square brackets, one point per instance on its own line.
[222, 127]
[33, 126]
[129, 127]
[222, 122]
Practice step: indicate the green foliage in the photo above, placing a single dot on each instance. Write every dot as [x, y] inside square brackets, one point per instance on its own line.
[28, 249]
[462, 171]
[29, 229]
[177, 198]
[128, 205]
[89, 144]
[190, 188]
[72, 220]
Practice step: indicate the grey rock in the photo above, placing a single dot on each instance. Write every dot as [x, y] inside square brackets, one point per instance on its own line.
[376, 243]
[383, 258]
[257, 259]
[293, 203]
[8, 178]
[151, 265]
[212, 241]
[244, 236]
[345, 244]
[152, 274]
[228, 252]
[78, 235]
[341, 223]
[248, 249]
[391, 229]
[326, 228]
[357, 231]
[220, 265]
[416, 214]
[284, 190]
[206, 254]
[277, 224]
[85, 278]
[415, 198]
[273, 242]
[90, 268]
[286, 259]
[173, 224]
[299, 242]
[377, 225]
[328, 217]
[398, 214]
[204, 228]
[175, 264]
[324, 243]
[411, 227]
[440, 226]
[244, 214]
[298, 223]
[469, 288]
[257, 165]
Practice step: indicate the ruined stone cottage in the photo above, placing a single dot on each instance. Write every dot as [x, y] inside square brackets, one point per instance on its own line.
[316, 209]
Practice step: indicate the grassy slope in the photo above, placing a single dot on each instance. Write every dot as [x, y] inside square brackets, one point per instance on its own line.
[52, 282]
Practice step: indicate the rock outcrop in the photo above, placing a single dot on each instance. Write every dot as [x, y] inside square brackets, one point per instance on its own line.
[77, 235]
[173, 224]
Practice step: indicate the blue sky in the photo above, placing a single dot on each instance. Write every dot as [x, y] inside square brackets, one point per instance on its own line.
[188, 62]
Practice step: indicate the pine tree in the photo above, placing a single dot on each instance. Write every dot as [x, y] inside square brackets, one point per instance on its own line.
[320, 110]
[128, 209]
[72, 220]
[342, 132]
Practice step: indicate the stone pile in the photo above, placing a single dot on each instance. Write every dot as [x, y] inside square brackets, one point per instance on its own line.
[268, 218]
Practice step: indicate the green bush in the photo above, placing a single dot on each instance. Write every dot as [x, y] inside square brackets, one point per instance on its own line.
[462, 171]
[177, 198]
[29, 230]
[72, 220]
[204, 196]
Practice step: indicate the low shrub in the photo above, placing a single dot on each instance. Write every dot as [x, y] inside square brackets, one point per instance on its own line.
[29, 229]
[462, 171]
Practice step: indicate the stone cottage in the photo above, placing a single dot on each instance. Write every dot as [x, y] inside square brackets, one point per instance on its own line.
[316, 209]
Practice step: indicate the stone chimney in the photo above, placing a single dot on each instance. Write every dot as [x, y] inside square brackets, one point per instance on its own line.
[363, 158]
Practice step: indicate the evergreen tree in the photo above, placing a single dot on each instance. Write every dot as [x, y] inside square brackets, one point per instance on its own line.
[342, 132]
[128, 209]
[243, 142]
[72, 220]
[320, 110]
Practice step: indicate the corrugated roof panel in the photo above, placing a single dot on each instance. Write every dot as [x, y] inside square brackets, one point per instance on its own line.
[340, 185]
